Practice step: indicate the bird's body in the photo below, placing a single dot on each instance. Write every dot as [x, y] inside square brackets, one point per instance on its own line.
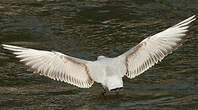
[107, 71]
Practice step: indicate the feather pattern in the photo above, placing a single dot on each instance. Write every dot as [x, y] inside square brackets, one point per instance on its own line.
[154, 48]
[107, 71]
[55, 65]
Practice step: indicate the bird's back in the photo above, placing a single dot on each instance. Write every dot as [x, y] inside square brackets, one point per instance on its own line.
[105, 67]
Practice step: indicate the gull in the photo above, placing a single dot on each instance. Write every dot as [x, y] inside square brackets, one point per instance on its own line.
[106, 71]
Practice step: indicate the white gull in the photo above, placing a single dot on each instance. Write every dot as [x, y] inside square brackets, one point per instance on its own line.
[107, 71]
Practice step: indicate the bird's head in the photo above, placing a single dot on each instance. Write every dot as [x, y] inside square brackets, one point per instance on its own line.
[100, 57]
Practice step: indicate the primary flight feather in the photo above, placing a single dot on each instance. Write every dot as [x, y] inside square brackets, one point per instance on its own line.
[107, 71]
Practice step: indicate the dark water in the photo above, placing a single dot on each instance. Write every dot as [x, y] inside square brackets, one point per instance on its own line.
[86, 30]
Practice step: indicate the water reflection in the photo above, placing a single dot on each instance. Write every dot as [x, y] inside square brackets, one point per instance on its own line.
[86, 30]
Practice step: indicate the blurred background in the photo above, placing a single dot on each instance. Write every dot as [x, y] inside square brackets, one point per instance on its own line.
[87, 29]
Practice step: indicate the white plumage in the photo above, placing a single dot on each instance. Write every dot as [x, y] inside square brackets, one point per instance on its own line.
[107, 71]
[54, 65]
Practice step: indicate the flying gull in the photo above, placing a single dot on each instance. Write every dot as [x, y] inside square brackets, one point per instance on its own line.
[106, 71]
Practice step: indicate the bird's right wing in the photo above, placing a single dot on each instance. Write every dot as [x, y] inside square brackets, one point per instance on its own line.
[155, 48]
[55, 65]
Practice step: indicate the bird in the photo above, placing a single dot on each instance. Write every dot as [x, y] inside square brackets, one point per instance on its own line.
[109, 72]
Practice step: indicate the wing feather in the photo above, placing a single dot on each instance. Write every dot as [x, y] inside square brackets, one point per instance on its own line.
[153, 49]
[54, 65]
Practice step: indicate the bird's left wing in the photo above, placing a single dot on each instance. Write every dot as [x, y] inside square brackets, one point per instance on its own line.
[155, 48]
[55, 65]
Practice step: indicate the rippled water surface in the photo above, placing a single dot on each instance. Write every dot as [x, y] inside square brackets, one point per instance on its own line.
[86, 30]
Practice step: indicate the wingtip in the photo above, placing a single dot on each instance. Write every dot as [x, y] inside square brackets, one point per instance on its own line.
[187, 21]
[4, 46]
[194, 17]
[11, 47]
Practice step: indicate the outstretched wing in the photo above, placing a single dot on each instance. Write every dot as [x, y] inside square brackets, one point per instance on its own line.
[155, 48]
[55, 65]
